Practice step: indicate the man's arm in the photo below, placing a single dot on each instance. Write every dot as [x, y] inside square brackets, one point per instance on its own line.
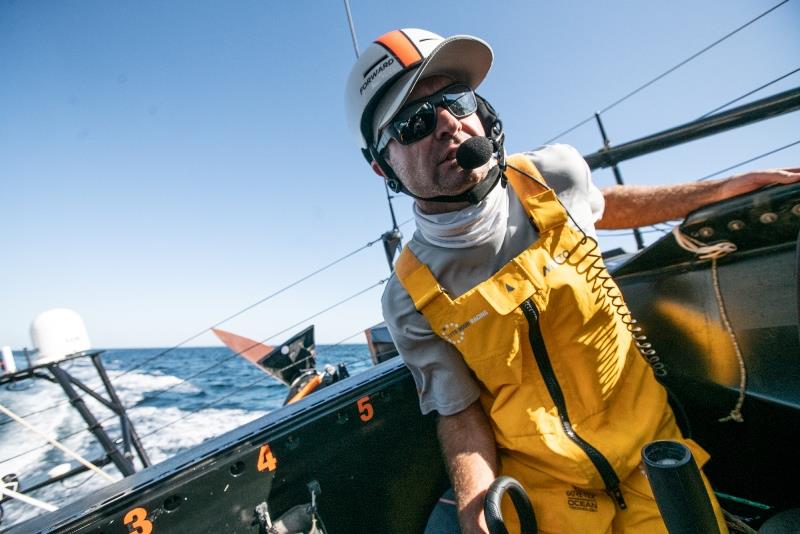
[469, 449]
[629, 206]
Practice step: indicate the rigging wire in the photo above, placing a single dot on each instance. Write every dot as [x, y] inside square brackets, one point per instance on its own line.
[669, 227]
[323, 351]
[205, 406]
[620, 233]
[251, 306]
[262, 300]
[160, 392]
[227, 358]
[765, 154]
[202, 407]
[246, 386]
[79, 484]
[757, 89]
[665, 73]
[706, 177]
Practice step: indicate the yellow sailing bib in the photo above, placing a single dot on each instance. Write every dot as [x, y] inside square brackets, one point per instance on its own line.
[558, 292]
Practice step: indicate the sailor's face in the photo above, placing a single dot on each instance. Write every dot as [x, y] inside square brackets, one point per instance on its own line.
[428, 167]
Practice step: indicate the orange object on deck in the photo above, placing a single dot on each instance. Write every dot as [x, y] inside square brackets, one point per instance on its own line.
[310, 386]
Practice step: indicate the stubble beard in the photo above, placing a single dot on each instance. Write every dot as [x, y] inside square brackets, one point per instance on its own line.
[462, 181]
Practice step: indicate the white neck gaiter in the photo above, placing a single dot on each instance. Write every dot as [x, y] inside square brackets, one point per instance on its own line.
[472, 226]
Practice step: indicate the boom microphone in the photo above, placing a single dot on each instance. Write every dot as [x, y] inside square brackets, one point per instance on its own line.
[474, 152]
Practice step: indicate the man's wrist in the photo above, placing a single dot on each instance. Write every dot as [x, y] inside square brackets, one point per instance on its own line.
[471, 515]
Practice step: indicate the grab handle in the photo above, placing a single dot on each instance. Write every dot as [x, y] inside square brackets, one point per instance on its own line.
[522, 504]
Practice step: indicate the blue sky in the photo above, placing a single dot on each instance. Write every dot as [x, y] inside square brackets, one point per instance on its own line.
[165, 164]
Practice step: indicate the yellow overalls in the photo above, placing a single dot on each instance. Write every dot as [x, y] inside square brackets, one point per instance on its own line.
[570, 399]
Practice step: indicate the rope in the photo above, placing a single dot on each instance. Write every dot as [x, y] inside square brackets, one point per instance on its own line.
[702, 250]
[665, 73]
[737, 525]
[714, 252]
[28, 500]
[62, 438]
[55, 443]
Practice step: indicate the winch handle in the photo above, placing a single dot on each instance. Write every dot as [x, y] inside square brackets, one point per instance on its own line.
[678, 488]
[522, 504]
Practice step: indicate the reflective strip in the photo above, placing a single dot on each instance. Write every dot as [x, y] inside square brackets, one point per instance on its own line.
[401, 46]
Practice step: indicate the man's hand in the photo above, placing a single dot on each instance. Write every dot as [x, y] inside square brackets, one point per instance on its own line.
[631, 206]
[750, 181]
[469, 448]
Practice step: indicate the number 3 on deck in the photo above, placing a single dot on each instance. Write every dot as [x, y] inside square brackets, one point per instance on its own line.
[137, 522]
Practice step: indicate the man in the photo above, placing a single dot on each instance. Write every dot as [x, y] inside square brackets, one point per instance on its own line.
[495, 306]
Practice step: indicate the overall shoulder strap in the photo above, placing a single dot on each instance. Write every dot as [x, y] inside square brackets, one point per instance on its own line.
[418, 280]
[539, 200]
[518, 165]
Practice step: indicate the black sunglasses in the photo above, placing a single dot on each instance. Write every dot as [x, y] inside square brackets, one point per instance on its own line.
[417, 120]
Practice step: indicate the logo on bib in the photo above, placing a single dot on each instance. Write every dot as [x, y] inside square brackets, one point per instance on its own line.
[578, 499]
[454, 332]
[554, 263]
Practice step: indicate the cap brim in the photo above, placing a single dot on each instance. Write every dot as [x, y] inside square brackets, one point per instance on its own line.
[462, 58]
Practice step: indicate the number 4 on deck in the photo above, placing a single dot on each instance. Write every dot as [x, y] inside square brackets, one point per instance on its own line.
[266, 460]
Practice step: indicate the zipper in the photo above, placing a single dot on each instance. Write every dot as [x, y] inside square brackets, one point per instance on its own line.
[610, 478]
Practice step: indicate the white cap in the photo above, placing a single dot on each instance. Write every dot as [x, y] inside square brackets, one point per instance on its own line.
[389, 69]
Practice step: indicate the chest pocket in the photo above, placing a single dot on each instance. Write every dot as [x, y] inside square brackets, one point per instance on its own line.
[495, 346]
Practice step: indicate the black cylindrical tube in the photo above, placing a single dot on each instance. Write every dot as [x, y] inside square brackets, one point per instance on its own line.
[771, 106]
[678, 488]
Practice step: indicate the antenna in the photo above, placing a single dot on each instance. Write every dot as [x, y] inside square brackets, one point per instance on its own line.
[393, 239]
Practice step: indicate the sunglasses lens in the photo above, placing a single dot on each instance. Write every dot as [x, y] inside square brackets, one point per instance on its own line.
[415, 122]
[460, 101]
[418, 120]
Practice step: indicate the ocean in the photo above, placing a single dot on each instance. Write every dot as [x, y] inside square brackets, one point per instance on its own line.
[164, 400]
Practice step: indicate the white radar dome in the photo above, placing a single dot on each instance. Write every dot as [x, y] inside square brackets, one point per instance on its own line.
[57, 334]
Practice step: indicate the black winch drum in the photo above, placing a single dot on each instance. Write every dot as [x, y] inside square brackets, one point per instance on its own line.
[678, 488]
